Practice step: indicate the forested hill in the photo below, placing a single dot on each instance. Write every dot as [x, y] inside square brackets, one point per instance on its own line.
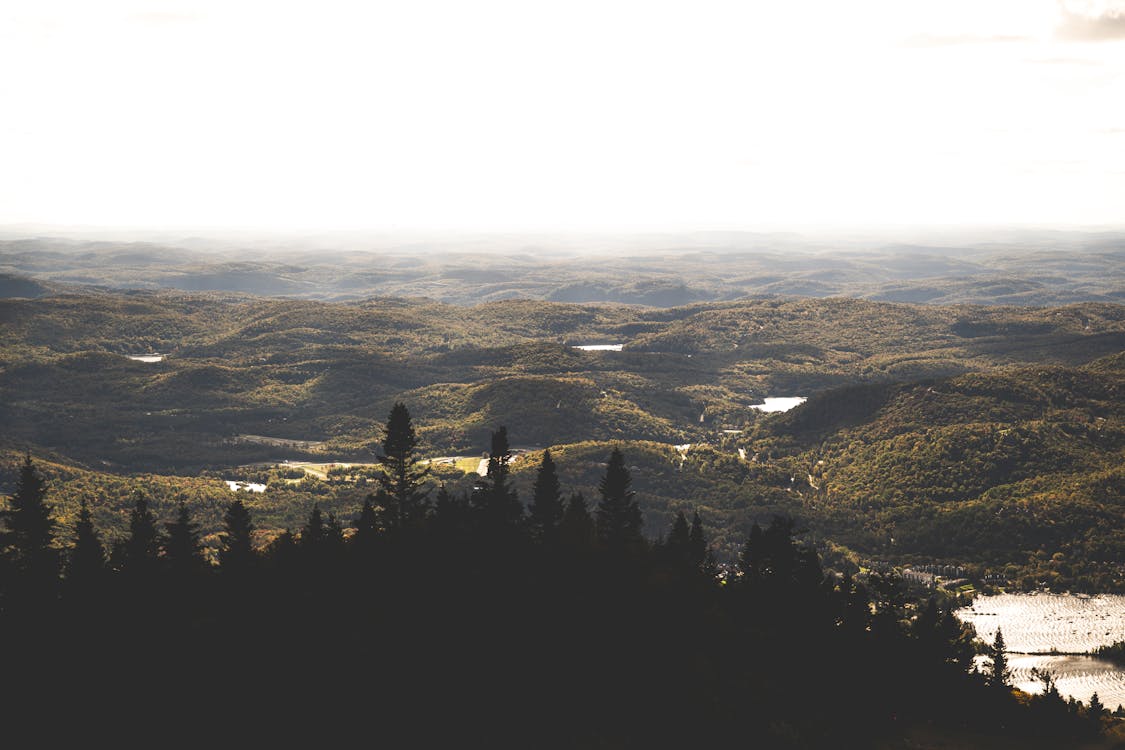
[320, 372]
[981, 435]
[1024, 268]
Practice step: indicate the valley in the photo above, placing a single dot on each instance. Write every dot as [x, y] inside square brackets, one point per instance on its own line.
[982, 435]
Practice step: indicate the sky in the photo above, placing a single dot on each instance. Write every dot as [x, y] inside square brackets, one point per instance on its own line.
[571, 115]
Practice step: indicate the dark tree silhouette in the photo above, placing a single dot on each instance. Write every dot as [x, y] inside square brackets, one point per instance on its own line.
[546, 508]
[366, 528]
[236, 550]
[401, 480]
[86, 561]
[313, 533]
[751, 561]
[1095, 710]
[28, 528]
[577, 527]
[494, 497]
[697, 546]
[183, 552]
[618, 515]
[997, 671]
[138, 553]
[679, 538]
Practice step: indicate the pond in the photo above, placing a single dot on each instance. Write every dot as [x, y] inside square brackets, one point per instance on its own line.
[1036, 624]
[146, 357]
[779, 403]
[246, 486]
[599, 347]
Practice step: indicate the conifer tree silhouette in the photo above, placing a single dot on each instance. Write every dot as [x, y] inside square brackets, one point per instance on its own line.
[576, 529]
[546, 508]
[183, 552]
[997, 671]
[366, 528]
[618, 515]
[86, 560]
[1095, 710]
[313, 533]
[137, 554]
[401, 480]
[679, 537]
[494, 497]
[28, 529]
[236, 550]
[697, 542]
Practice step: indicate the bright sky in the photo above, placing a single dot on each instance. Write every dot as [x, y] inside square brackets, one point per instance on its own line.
[489, 114]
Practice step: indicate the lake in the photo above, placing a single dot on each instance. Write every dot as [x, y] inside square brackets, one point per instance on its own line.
[146, 357]
[246, 486]
[599, 347]
[779, 403]
[1035, 624]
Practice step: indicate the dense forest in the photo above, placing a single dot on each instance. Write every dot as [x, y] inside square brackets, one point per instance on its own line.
[546, 621]
[996, 430]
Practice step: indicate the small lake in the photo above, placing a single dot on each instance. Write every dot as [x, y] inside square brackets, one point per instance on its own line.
[1034, 624]
[779, 403]
[246, 486]
[599, 347]
[146, 357]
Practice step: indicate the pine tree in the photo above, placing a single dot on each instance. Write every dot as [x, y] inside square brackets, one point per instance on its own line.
[138, 553]
[998, 672]
[334, 545]
[678, 543]
[313, 533]
[618, 515]
[697, 542]
[750, 559]
[236, 551]
[86, 561]
[1095, 711]
[495, 499]
[29, 528]
[401, 480]
[577, 527]
[183, 552]
[546, 509]
[366, 528]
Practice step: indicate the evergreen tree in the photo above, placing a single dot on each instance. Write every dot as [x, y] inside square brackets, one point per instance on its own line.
[334, 544]
[618, 514]
[998, 672]
[401, 480]
[546, 509]
[183, 551]
[678, 543]
[958, 638]
[697, 542]
[577, 527]
[1095, 711]
[494, 497]
[236, 550]
[366, 528]
[86, 561]
[750, 562]
[138, 553]
[28, 527]
[313, 533]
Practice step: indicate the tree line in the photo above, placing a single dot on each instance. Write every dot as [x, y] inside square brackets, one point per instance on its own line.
[437, 616]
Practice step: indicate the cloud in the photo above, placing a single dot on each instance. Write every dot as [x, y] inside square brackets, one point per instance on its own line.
[1091, 21]
[934, 40]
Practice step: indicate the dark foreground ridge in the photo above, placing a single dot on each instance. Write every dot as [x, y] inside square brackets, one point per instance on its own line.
[470, 620]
